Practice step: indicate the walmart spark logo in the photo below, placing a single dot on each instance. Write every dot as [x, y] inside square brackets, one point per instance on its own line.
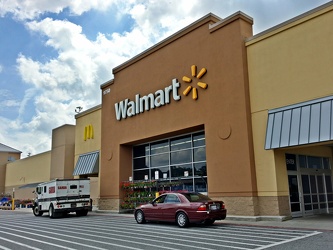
[202, 85]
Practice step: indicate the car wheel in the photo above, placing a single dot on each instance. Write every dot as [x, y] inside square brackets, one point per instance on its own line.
[51, 212]
[36, 211]
[209, 222]
[140, 217]
[182, 219]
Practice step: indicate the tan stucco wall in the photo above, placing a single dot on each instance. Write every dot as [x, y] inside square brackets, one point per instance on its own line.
[62, 156]
[222, 110]
[32, 169]
[84, 119]
[90, 117]
[287, 65]
[4, 156]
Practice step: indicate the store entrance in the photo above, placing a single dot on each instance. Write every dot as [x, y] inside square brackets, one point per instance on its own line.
[310, 185]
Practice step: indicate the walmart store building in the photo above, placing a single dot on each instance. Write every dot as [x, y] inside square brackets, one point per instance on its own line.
[246, 119]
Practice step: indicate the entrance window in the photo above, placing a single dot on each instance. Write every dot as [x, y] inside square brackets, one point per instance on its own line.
[310, 184]
[326, 163]
[302, 161]
[181, 158]
[311, 162]
[291, 162]
[315, 162]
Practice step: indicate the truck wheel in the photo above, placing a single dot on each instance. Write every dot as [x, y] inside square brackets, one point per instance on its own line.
[36, 211]
[51, 211]
[81, 213]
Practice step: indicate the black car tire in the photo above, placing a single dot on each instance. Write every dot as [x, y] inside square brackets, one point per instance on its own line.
[140, 217]
[182, 219]
[36, 211]
[209, 222]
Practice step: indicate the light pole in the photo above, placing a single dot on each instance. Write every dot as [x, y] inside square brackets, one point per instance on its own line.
[13, 196]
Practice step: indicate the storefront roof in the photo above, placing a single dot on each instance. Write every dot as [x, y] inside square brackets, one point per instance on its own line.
[300, 124]
[30, 185]
[87, 164]
[4, 148]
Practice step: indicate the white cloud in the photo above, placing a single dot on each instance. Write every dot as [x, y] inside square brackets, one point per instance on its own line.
[7, 100]
[31, 9]
[72, 77]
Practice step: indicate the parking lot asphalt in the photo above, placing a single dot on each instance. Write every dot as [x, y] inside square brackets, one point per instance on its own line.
[323, 222]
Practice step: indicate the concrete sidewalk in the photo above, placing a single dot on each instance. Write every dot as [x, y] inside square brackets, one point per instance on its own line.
[322, 222]
[315, 222]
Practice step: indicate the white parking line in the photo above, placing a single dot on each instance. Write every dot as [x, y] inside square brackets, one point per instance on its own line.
[290, 240]
[113, 236]
[80, 238]
[27, 246]
[126, 233]
[11, 241]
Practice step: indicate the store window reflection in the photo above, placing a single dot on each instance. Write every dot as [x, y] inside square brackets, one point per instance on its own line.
[181, 159]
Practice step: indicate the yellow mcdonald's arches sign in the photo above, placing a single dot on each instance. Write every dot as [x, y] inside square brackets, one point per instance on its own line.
[88, 132]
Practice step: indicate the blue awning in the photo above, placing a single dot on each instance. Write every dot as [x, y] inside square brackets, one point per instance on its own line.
[300, 124]
[87, 164]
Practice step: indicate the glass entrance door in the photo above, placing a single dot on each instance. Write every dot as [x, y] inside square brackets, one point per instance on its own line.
[294, 196]
[310, 185]
[317, 193]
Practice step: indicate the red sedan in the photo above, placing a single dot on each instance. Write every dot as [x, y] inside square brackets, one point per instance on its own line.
[182, 208]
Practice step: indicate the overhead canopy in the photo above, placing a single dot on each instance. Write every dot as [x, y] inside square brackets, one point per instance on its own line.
[300, 124]
[30, 185]
[87, 164]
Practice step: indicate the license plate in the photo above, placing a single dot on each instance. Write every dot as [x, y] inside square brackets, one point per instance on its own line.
[73, 204]
[213, 207]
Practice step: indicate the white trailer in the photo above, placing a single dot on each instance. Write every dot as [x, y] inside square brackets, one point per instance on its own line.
[62, 196]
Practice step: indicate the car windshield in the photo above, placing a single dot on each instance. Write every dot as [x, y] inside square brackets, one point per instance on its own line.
[196, 197]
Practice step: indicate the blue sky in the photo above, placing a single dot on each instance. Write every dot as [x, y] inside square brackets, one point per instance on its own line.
[54, 55]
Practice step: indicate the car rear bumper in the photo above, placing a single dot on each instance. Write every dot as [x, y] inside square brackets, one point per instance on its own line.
[201, 216]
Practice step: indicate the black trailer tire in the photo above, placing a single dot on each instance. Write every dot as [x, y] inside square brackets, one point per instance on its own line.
[51, 212]
[82, 213]
[36, 211]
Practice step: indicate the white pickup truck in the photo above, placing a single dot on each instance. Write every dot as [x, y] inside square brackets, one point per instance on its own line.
[62, 196]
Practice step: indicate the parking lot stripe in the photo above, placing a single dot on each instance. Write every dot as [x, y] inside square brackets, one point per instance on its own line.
[48, 237]
[242, 245]
[14, 242]
[286, 241]
[80, 238]
[116, 232]
[27, 238]
[212, 231]
[114, 235]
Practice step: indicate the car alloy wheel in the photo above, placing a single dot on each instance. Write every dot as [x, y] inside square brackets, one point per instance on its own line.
[182, 219]
[140, 217]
